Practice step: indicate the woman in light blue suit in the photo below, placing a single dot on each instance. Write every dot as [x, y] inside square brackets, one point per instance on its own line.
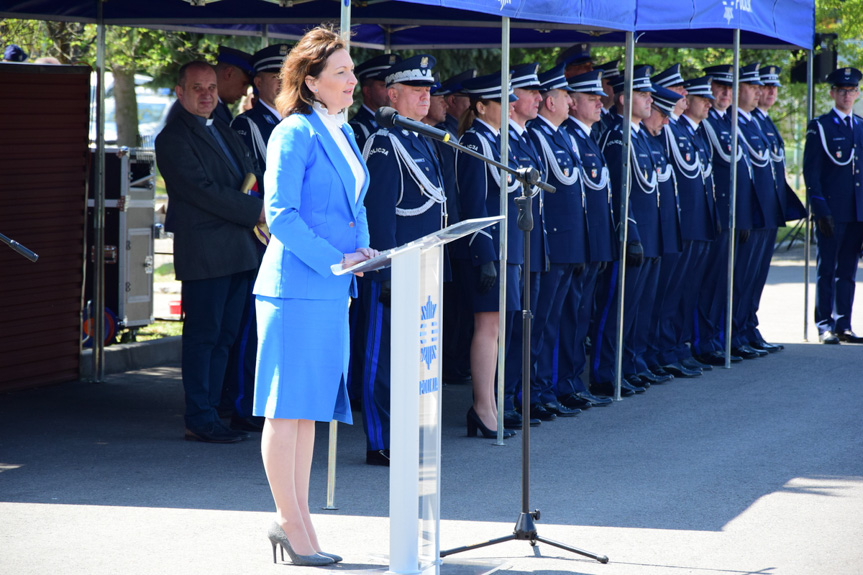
[315, 183]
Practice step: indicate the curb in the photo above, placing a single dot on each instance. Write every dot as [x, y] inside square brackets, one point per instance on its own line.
[133, 356]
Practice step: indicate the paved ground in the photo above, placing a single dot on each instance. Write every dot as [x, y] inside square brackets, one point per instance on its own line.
[753, 470]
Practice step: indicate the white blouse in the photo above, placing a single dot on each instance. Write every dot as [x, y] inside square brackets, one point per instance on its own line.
[334, 123]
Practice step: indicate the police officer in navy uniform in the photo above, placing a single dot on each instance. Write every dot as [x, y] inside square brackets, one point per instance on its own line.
[568, 244]
[688, 150]
[708, 339]
[665, 102]
[526, 86]
[371, 75]
[406, 200]
[831, 167]
[754, 253]
[456, 101]
[610, 115]
[585, 109]
[255, 127]
[233, 75]
[479, 189]
[791, 206]
[643, 247]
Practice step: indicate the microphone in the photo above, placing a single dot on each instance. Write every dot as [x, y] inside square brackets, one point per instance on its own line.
[388, 118]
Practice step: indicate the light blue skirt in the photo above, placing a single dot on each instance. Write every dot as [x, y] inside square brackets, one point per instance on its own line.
[302, 362]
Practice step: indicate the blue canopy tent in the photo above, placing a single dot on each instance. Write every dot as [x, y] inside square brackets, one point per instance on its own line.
[426, 24]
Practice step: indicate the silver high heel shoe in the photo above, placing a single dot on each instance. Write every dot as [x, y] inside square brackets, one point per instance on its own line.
[277, 537]
[332, 556]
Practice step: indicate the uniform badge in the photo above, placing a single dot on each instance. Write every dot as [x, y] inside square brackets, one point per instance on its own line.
[593, 173]
[838, 153]
[566, 172]
[687, 156]
[424, 62]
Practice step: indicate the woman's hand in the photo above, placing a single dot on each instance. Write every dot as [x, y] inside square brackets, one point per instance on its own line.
[361, 255]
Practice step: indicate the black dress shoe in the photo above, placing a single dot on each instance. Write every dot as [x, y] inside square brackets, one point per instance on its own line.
[760, 352]
[655, 379]
[574, 401]
[214, 433]
[692, 363]
[745, 352]
[595, 401]
[678, 370]
[636, 381]
[711, 359]
[512, 419]
[541, 413]
[849, 336]
[253, 424]
[828, 337]
[560, 410]
[634, 388]
[378, 457]
[658, 371]
[764, 346]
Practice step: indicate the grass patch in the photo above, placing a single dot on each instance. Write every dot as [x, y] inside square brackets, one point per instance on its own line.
[155, 330]
[164, 273]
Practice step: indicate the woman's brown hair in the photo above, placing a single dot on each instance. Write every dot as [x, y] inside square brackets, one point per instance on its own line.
[307, 58]
[469, 115]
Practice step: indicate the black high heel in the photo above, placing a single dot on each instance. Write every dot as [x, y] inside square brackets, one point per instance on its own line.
[278, 538]
[474, 424]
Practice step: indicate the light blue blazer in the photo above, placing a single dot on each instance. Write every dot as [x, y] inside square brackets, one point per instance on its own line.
[312, 211]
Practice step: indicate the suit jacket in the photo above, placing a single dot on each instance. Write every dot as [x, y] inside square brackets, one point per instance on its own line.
[210, 218]
[831, 168]
[525, 156]
[266, 122]
[601, 228]
[644, 188]
[399, 209]
[689, 153]
[312, 211]
[717, 132]
[565, 210]
[669, 208]
[770, 212]
[363, 124]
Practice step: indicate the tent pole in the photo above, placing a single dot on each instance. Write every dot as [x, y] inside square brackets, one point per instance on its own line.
[265, 36]
[626, 182]
[810, 113]
[504, 154]
[345, 23]
[732, 201]
[97, 307]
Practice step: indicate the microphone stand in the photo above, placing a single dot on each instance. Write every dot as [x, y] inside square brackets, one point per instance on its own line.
[30, 255]
[525, 526]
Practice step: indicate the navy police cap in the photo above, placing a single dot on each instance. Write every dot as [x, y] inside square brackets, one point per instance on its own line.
[575, 54]
[453, 85]
[14, 53]
[665, 99]
[486, 88]
[554, 79]
[588, 83]
[524, 76]
[640, 80]
[270, 59]
[770, 75]
[377, 67]
[699, 87]
[721, 74]
[234, 57]
[610, 70]
[414, 71]
[844, 77]
[668, 77]
[749, 74]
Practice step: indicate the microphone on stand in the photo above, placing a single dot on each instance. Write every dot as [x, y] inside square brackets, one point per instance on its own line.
[387, 117]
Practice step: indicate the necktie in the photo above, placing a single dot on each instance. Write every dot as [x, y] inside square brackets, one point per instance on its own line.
[848, 121]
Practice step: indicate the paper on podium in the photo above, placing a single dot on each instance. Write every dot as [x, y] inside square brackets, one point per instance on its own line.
[443, 236]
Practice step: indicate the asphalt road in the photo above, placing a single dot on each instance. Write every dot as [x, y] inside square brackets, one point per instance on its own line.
[753, 470]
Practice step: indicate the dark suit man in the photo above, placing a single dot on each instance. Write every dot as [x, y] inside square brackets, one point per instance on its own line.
[371, 75]
[204, 162]
[831, 167]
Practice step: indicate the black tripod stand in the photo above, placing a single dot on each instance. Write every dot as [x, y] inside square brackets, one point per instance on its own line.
[525, 527]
